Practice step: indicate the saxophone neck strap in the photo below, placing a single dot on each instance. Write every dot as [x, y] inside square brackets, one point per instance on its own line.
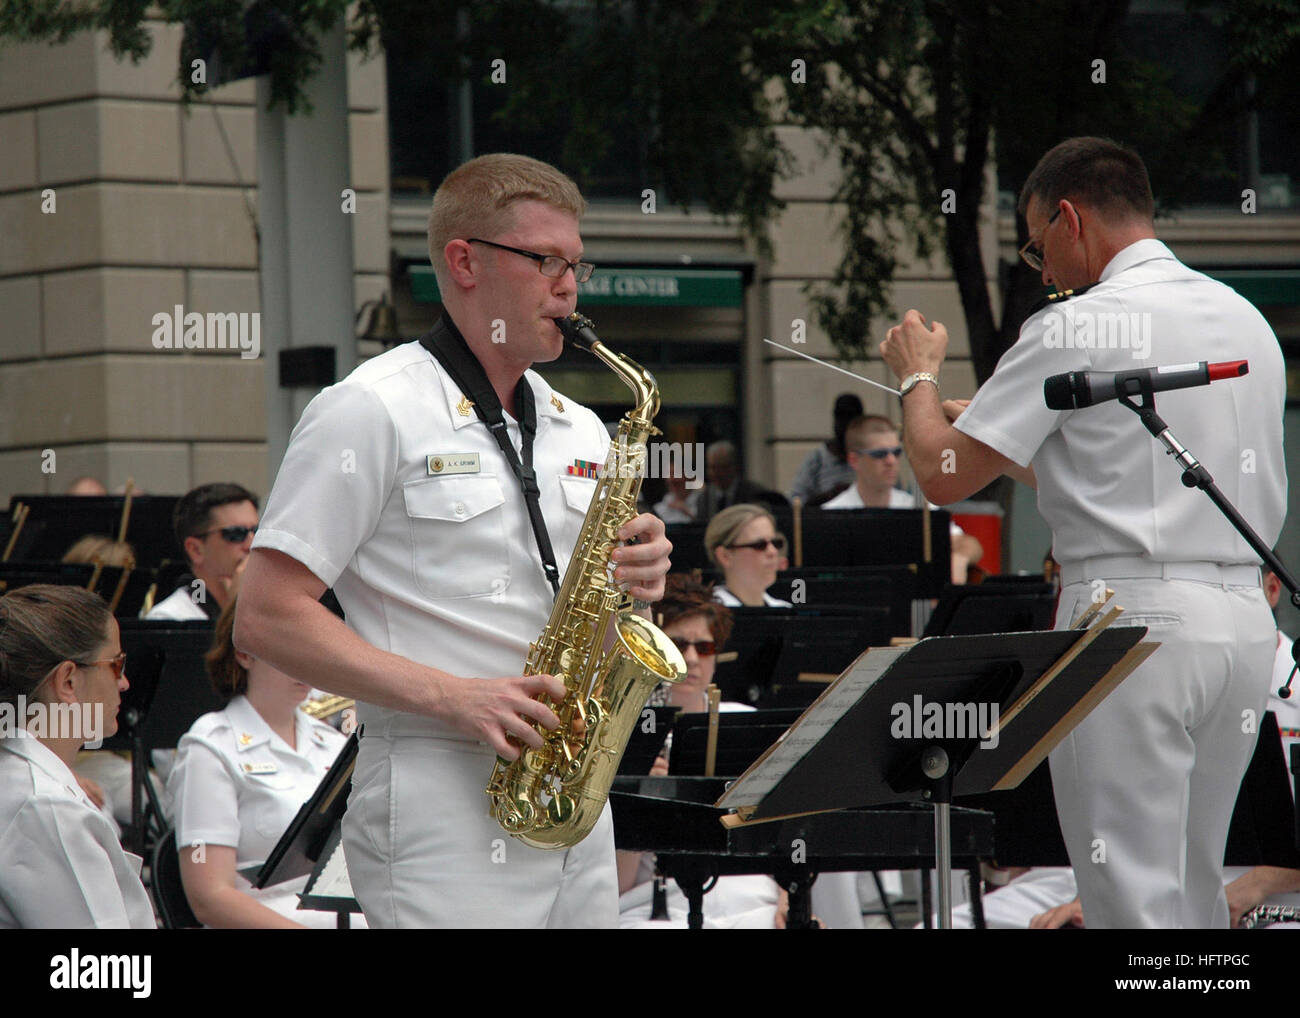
[449, 348]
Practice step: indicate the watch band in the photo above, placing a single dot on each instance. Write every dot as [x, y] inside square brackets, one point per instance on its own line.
[910, 382]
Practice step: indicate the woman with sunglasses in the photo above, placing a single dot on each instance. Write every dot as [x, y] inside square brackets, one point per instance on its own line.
[62, 675]
[742, 541]
[699, 626]
[240, 776]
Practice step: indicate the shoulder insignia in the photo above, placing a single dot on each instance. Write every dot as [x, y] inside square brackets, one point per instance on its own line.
[1058, 297]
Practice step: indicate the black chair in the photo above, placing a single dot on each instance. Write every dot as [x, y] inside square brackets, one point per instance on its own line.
[166, 887]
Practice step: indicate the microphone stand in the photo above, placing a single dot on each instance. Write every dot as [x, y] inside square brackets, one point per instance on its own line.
[1196, 476]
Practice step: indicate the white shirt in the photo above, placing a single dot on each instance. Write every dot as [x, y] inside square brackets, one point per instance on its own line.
[61, 866]
[438, 566]
[1105, 486]
[237, 783]
[851, 498]
[177, 606]
[723, 596]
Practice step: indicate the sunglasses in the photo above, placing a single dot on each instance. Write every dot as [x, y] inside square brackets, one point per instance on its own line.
[705, 648]
[235, 535]
[118, 664]
[879, 454]
[761, 544]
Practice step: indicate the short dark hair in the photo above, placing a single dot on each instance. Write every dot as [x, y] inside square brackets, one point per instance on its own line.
[193, 512]
[1095, 171]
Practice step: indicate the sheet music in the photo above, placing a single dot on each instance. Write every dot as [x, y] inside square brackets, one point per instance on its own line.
[334, 881]
[753, 786]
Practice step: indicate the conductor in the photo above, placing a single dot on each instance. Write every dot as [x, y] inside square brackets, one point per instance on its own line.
[1145, 785]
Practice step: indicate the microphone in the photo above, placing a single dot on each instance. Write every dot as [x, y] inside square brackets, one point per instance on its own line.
[1075, 390]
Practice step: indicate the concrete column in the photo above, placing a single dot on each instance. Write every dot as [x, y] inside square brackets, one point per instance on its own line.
[306, 240]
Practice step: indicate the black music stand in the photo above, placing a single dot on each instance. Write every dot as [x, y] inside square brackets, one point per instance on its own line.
[647, 740]
[329, 889]
[994, 606]
[743, 736]
[869, 739]
[55, 522]
[306, 842]
[773, 647]
[169, 690]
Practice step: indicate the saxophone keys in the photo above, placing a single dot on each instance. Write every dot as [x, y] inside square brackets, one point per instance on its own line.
[561, 808]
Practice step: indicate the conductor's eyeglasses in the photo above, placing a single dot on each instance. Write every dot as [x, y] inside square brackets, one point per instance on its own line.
[235, 535]
[548, 265]
[705, 648]
[1032, 252]
[761, 544]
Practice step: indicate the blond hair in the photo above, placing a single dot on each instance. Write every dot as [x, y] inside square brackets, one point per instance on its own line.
[96, 548]
[477, 197]
[861, 428]
[724, 526]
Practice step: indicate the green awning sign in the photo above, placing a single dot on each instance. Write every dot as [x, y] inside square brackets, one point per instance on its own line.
[631, 287]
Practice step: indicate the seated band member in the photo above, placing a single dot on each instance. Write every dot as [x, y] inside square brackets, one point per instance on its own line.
[62, 673]
[214, 525]
[742, 541]
[875, 452]
[699, 626]
[240, 776]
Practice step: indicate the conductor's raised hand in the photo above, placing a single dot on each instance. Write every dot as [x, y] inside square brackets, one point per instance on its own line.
[912, 346]
[954, 408]
[644, 563]
[492, 709]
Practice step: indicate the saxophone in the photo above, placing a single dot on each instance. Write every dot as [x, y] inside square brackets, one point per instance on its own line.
[552, 797]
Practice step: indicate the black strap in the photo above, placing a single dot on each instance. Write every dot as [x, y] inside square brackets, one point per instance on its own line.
[448, 346]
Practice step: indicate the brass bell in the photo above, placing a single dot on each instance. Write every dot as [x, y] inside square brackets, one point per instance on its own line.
[382, 324]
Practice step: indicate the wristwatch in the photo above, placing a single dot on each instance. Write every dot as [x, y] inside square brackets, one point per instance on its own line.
[909, 383]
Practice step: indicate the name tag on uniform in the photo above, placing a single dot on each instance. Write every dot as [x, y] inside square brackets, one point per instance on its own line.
[260, 768]
[454, 463]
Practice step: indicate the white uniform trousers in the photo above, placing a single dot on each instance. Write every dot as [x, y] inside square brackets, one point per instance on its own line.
[1146, 784]
[422, 851]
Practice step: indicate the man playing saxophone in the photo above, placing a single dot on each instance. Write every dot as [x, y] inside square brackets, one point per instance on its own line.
[395, 492]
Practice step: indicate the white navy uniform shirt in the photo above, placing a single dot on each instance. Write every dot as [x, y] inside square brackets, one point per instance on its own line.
[851, 498]
[723, 596]
[1105, 485]
[61, 866]
[396, 495]
[237, 783]
[177, 606]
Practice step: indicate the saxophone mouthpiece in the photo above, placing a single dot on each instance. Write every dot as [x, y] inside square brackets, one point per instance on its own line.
[579, 330]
